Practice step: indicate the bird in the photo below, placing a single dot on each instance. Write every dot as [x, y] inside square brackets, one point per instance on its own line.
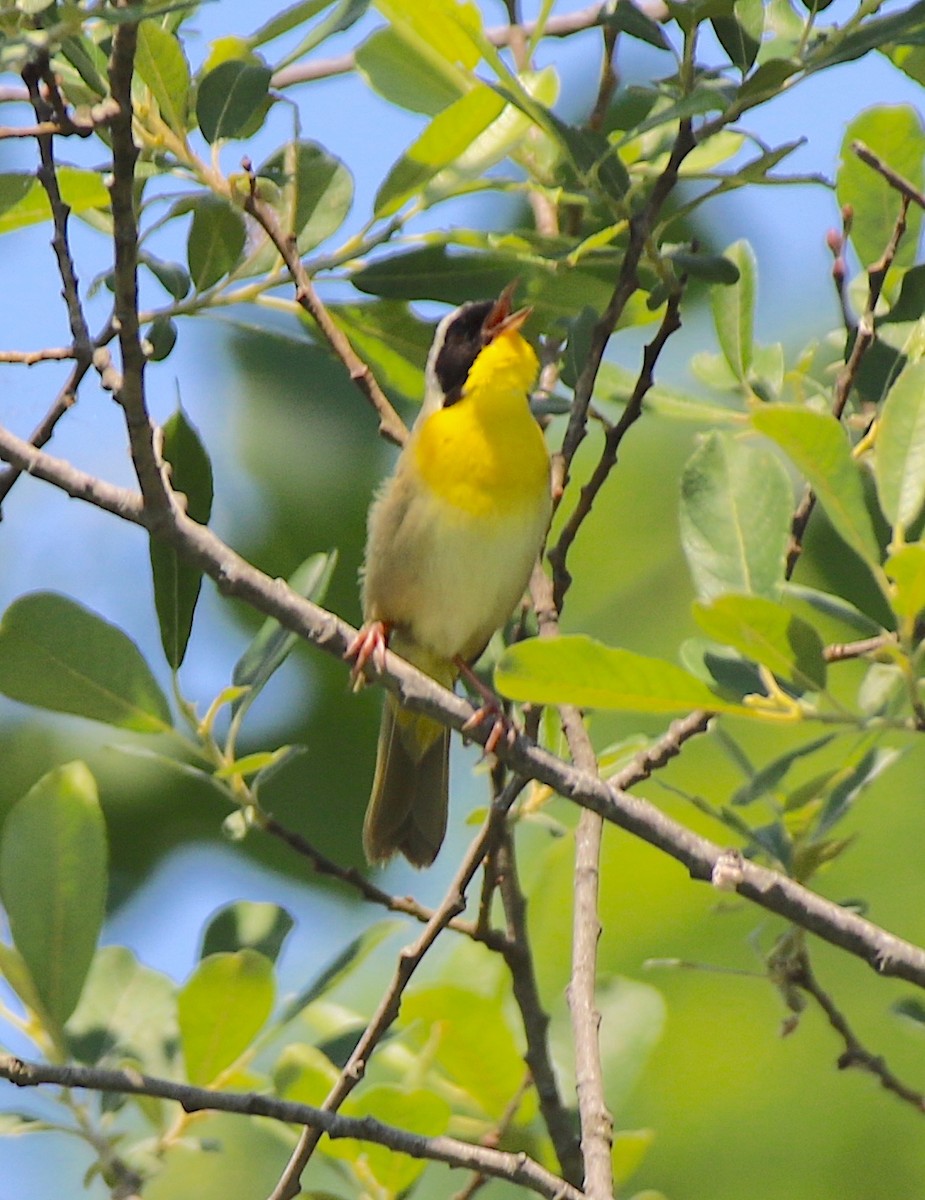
[452, 537]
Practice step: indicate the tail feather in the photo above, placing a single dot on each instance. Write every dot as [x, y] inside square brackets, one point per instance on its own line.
[408, 806]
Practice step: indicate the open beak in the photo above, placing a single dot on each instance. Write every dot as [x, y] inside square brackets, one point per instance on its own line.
[501, 319]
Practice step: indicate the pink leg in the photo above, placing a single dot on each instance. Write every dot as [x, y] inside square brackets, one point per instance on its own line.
[370, 644]
[490, 710]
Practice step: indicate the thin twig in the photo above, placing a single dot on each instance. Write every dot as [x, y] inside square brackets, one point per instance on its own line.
[130, 394]
[896, 181]
[558, 554]
[855, 1054]
[391, 425]
[882, 951]
[28, 358]
[453, 903]
[493, 1138]
[864, 339]
[518, 955]
[515, 1168]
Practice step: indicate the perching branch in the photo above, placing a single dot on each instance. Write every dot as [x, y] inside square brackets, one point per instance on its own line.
[884, 952]
[515, 1168]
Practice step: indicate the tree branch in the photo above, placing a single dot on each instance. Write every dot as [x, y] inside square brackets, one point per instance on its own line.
[454, 903]
[391, 425]
[515, 1168]
[882, 951]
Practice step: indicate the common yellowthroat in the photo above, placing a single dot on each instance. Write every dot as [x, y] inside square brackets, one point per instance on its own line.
[452, 538]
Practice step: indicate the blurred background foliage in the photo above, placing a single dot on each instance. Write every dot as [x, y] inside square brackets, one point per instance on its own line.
[694, 1055]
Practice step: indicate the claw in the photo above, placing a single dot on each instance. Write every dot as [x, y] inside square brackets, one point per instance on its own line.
[369, 645]
[502, 727]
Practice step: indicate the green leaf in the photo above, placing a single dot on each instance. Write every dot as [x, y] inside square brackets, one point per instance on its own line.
[269, 649]
[162, 65]
[173, 277]
[419, 1110]
[628, 19]
[854, 782]
[740, 34]
[581, 671]
[770, 776]
[230, 97]
[126, 1010]
[247, 924]
[53, 882]
[907, 570]
[221, 1009]
[23, 200]
[768, 79]
[161, 337]
[316, 191]
[216, 240]
[734, 311]
[835, 607]
[900, 448]
[447, 137]
[56, 654]
[391, 339]
[343, 965]
[287, 20]
[454, 1019]
[768, 634]
[304, 1074]
[817, 445]
[895, 133]
[713, 268]
[736, 502]
[176, 581]
[403, 76]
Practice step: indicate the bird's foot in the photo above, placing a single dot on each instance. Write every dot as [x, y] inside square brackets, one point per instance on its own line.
[490, 710]
[369, 645]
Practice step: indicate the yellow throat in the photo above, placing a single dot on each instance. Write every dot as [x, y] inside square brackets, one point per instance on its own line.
[485, 454]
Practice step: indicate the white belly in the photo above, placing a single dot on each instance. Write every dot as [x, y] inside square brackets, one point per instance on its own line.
[446, 579]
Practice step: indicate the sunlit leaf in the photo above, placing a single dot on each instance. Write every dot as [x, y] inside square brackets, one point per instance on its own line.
[900, 448]
[736, 502]
[906, 567]
[395, 68]
[162, 65]
[53, 882]
[581, 671]
[56, 654]
[895, 133]
[767, 633]
[419, 1110]
[734, 311]
[818, 446]
[449, 134]
[221, 1009]
[23, 200]
[126, 1010]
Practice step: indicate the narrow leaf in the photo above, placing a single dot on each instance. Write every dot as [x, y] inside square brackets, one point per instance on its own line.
[581, 671]
[53, 882]
[221, 1009]
[766, 633]
[817, 445]
[900, 448]
[343, 965]
[448, 135]
[736, 502]
[734, 310]
[176, 582]
[58, 655]
[269, 649]
[162, 65]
